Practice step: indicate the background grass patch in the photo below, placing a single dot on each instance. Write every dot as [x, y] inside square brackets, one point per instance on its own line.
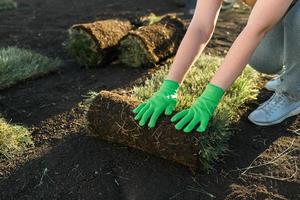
[7, 5]
[14, 139]
[20, 64]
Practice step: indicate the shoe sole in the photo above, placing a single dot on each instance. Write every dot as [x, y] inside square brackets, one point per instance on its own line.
[290, 114]
[272, 89]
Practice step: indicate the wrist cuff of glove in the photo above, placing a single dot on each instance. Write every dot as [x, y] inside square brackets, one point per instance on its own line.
[170, 85]
[213, 92]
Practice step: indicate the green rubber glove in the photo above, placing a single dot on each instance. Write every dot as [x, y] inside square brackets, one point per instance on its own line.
[201, 111]
[164, 100]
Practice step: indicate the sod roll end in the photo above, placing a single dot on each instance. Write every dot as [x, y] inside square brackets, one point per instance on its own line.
[151, 44]
[93, 44]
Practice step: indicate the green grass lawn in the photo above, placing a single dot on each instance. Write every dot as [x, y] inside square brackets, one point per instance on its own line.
[20, 64]
[214, 142]
[14, 139]
[7, 5]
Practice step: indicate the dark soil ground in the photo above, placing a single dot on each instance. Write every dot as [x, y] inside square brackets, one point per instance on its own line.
[67, 163]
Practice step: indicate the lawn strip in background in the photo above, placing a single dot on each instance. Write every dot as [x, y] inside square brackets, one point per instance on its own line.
[14, 139]
[7, 5]
[20, 64]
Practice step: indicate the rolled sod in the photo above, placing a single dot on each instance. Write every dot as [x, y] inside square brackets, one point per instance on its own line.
[110, 116]
[148, 45]
[93, 44]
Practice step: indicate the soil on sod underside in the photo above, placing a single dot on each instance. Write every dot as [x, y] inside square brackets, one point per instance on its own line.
[68, 164]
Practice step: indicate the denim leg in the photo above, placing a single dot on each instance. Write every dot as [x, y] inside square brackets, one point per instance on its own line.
[291, 55]
[191, 4]
[268, 56]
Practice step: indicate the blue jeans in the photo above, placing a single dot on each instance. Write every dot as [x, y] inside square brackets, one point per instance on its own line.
[279, 52]
[191, 4]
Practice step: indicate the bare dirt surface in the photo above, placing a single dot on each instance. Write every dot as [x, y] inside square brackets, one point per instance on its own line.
[66, 163]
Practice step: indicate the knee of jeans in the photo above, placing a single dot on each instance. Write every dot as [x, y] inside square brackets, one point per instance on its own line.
[292, 19]
[261, 65]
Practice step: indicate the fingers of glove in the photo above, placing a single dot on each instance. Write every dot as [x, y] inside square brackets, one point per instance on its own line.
[191, 125]
[186, 119]
[179, 115]
[154, 118]
[203, 125]
[146, 116]
[141, 112]
[139, 108]
[170, 108]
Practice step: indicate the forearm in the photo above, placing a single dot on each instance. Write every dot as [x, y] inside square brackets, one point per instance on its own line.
[237, 58]
[265, 14]
[196, 38]
[189, 50]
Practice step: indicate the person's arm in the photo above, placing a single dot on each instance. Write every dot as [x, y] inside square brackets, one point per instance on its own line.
[196, 38]
[265, 14]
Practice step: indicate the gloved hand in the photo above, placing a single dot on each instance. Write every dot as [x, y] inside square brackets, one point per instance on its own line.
[201, 111]
[164, 100]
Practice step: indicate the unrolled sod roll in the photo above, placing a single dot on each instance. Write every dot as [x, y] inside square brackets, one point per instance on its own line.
[93, 44]
[148, 45]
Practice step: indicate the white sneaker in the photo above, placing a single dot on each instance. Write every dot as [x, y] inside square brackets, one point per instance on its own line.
[273, 84]
[275, 110]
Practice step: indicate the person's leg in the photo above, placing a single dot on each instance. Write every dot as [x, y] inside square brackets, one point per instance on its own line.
[190, 7]
[285, 102]
[180, 3]
[268, 56]
[291, 56]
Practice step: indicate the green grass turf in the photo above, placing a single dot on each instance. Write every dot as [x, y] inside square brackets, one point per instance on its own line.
[82, 46]
[19, 64]
[14, 139]
[150, 19]
[7, 5]
[214, 143]
[133, 53]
